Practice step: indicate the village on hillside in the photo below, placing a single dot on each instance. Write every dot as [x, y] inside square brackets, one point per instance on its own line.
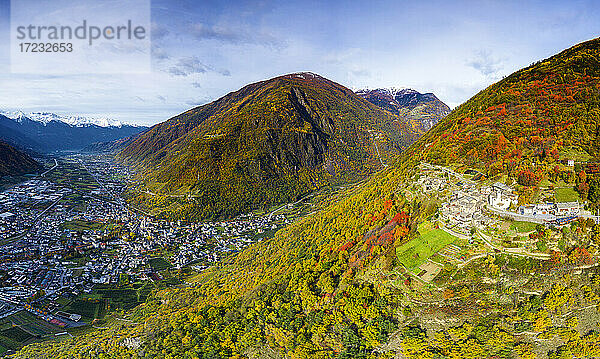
[477, 216]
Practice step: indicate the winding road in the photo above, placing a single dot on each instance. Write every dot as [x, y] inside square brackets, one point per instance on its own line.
[55, 165]
[377, 148]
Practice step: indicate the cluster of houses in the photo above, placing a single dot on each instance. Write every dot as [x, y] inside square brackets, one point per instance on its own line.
[468, 203]
[501, 197]
[463, 209]
[551, 211]
[36, 275]
[21, 204]
[462, 212]
[432, 183]
[226, 236]
[48, 226]
[500, 201]
[15, 295]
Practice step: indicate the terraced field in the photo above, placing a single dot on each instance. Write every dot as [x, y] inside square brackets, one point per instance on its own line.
[429, 241]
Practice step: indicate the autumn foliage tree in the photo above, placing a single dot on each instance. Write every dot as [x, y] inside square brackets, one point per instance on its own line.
[527, 178]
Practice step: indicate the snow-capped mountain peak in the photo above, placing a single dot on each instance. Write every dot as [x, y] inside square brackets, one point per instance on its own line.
[389, 91]
[76, 121]
[15, 115]
[307, 75]
[422, 108]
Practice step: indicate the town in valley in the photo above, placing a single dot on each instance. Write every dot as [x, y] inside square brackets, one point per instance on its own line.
[73, 249]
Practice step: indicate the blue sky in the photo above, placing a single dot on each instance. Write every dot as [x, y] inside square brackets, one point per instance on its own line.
[205, 49]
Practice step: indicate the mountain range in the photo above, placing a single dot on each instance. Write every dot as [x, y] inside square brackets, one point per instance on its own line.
[73, 120]
[330, 284]
[421, 110]
[267, 143]
[46, 132]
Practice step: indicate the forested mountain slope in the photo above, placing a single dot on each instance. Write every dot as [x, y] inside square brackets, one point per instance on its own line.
[14, 162]
[540, 114]
[270, 142]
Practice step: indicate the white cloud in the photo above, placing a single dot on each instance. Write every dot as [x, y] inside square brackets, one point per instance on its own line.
[486, 64]
[187, 66]
[200, 54]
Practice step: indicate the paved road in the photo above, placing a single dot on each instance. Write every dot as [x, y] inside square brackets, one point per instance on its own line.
[168, 195]
[482, 255]
[55, 165]
[293, 204]
[452, 232]
[449, 171]
[515, 216]
[377, 148]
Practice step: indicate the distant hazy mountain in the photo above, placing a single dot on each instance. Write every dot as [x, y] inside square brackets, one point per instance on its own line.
[48, 132]
[110, 146]
[15, 162]
[422, 110]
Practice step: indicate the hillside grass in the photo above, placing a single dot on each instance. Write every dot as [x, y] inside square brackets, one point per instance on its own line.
[566, 195]
[522, 227]
[429, 241]
[88, 309]
[576, 154]
[159, 264]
